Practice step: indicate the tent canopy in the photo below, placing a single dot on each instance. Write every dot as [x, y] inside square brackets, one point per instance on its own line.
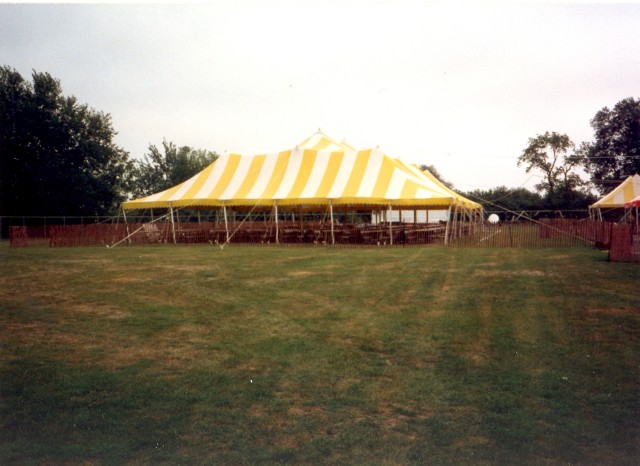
[633, 203]
[319, 171]
[625, 192]
[320, 141]
[461, 200]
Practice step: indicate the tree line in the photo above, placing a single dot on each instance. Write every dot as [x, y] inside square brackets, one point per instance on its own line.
[58, 157]
[556, 159]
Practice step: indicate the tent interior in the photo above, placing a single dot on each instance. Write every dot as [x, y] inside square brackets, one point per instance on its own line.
[321, 192]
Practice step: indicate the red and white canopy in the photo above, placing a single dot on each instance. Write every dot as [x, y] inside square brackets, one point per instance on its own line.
[633, 203]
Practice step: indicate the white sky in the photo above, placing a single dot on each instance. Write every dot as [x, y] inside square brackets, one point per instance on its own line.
[460, 86]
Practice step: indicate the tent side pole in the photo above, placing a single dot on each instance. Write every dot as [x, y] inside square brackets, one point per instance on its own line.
[333, 237]
[275, 206]
[452, 230]
[126, 225]
[173, 225]
[301, 222]
[391, 226]
[467, 221]
[446, 228]
[226, 222]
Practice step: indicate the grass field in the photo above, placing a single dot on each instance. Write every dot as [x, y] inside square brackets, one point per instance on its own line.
[318, 355]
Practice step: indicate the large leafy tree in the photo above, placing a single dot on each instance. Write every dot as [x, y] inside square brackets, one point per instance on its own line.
[548, 154]
[511, 199]
[162, 169]
[615, 153]
[435, 173]
[57, 156]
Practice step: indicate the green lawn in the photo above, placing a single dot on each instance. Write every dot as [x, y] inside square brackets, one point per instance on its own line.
[318, 355]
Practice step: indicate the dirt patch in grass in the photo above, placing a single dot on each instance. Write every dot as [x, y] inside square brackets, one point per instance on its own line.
[508, 273]
[614, 311]
[444, 295]
[249, 365]
[607, 325]
[172, 350]
[300, 273]
[71, 346]
[478, 355]
[131, 279]
[186, 267]
[264, 281]
[166, 353]
[25, 332]
[477, 349]
[472, 441]
[108, 312]
[398, 417]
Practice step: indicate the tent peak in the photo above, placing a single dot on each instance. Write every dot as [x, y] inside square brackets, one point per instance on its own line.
[320, 141]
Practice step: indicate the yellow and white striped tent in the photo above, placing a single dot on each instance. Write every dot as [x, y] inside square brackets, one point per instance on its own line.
[624, 192]
[460, 200]
[321, 141]
[320, 175]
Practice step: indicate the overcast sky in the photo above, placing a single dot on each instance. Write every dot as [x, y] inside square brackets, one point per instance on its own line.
[458, 86]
